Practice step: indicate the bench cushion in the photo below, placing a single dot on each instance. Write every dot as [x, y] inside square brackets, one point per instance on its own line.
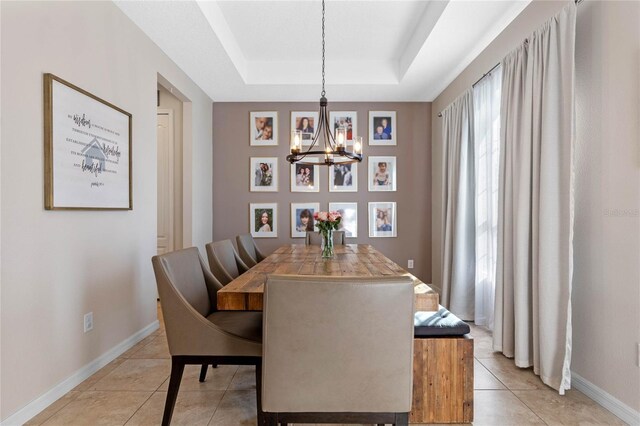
[440, 323]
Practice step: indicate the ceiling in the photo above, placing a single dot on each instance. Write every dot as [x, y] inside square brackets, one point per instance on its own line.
[395, 50]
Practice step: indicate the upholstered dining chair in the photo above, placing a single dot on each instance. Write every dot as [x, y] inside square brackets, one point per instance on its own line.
[197, 332]
[315, 239]
[337, 349]
[248, 250]
[224, 262]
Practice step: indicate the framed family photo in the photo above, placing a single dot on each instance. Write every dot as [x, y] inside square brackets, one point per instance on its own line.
[346, 119]
[263, 174]
[382, 219]
[306, 122]
[263, 128]
[305, 178]
[349, 222]
[302, 219]
[263, 220]
[343, 178]
[382, 128]
[382, 173]
[87, 150]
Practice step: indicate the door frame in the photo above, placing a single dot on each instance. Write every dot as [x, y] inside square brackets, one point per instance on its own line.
[171, 171]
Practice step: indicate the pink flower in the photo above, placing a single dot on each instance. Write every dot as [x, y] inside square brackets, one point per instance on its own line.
[323, 216]
[315, 215]
[333, 216]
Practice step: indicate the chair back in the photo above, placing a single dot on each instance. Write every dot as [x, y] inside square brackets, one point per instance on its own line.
[337, 344]
[247, 249]
[315, 239]
[222, 261]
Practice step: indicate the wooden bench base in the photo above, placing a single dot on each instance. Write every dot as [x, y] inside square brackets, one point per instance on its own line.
[442, 380]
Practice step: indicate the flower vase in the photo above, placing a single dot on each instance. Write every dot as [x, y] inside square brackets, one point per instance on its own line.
[327, 243]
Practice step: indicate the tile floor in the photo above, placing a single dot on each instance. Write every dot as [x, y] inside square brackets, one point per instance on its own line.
[131, 390]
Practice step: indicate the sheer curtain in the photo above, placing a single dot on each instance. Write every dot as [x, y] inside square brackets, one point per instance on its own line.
[486, 114]
[458, 249]
[535, 227]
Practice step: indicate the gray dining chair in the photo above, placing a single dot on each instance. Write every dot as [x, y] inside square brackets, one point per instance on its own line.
[337, 349]
[315, 239]
[197, 332]
[248, 250]
[224, 262]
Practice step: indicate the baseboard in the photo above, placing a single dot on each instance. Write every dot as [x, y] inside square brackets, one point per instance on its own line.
[39, 404]
[608, 401]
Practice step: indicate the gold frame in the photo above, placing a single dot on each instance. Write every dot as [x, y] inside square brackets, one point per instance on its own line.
[48, 144]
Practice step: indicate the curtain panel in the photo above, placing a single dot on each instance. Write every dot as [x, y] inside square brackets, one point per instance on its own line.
[458, 269]
[535, 225]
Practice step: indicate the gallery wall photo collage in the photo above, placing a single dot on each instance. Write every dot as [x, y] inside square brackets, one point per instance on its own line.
[342, 178]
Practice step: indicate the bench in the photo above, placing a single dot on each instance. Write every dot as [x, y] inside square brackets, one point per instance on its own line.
[442, 369]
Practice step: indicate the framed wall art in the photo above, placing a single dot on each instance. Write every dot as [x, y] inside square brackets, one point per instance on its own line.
[302, 219]
[382, 219]
[349, 222]
[346, 119]
[87, 150]
[263, 174]
[383, 128]
[306, 122]
[382, 173]
[263, 220]
[343, 178]
[263, 128]
[305, 178]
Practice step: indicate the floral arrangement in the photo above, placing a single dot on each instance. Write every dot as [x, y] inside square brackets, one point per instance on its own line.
[327, 221]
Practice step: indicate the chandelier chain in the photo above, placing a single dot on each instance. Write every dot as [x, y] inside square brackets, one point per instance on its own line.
[323, 91]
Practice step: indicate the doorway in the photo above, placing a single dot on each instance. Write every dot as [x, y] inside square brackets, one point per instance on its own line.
[166, 172]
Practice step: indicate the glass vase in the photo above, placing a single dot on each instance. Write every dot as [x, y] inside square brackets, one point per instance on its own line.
[327, 243]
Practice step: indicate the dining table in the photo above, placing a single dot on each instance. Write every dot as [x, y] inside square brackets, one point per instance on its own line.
[245, 293]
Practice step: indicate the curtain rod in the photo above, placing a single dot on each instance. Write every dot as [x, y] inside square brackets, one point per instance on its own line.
[496, 65]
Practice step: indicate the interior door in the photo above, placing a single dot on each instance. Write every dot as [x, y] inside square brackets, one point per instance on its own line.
[165, 181]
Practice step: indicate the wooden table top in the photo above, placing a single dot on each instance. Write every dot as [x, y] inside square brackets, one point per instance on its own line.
[245, 292]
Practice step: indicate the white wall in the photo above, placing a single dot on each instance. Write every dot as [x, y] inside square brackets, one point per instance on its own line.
[58, 265]
[606, 286]
[606, 289]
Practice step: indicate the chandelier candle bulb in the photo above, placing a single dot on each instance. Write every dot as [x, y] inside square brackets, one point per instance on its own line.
[296, 141]
[341, 136]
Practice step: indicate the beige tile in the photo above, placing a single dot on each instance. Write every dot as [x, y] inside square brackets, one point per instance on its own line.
[501, 407]
[238, 407]
[218, 378]
[483, 379]
[574, 408]
[245, 378]
[53, 408]
[136, 375]
[99, 408]
[192, 408]
[141, 344]
[157, 348]
[98, 375]
[510, 375]
[483, 346]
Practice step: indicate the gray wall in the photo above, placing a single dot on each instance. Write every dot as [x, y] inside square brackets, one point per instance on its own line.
[606, 285]
[231, 196]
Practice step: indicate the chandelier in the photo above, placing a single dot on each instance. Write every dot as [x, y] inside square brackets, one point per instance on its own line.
[335, 148]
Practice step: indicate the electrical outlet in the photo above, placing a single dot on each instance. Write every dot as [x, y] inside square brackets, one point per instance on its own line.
[88, 322]
[410, 264]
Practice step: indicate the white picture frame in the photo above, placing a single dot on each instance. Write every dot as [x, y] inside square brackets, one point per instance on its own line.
[343, 178]
[257, 224]
[306, 181]
[383, 221]
[263, 128]
[389, 134]
[349, 222]
[348, 119]
[382, 169]
[263, 174]
[301, 212]
[307, 127]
